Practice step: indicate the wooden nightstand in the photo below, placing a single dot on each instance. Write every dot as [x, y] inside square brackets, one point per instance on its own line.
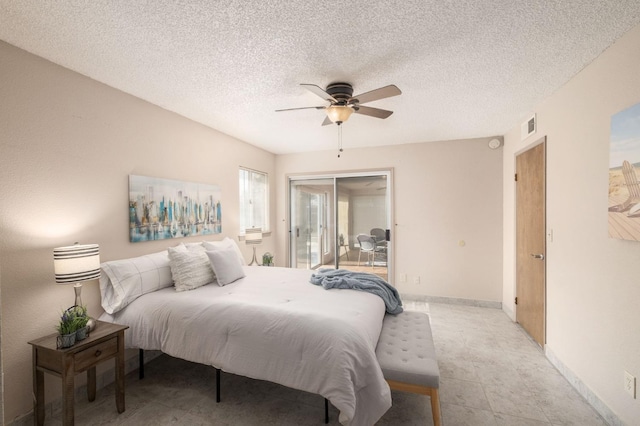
[106, 341]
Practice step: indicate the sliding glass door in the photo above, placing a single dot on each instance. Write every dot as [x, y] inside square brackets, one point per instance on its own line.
[311, 230]
[342, 221]
[364, 224]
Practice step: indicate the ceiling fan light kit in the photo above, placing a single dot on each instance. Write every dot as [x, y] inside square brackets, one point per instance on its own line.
[339, 113]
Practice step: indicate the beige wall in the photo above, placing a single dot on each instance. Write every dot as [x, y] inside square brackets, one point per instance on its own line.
[593, 282]
[67, 146]
[444, 192]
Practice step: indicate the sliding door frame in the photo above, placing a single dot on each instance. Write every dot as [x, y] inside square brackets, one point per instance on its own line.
[388, 172]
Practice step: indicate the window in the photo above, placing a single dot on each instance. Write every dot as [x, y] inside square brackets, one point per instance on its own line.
[254, 200]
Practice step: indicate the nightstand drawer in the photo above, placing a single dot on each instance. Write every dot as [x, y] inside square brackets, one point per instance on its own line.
[95, 354]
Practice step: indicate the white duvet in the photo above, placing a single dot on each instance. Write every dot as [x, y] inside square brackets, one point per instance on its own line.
[273, 325]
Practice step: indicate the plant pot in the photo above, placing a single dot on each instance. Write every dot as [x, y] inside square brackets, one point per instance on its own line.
[82, 333]
[65, 340]
[267, 259]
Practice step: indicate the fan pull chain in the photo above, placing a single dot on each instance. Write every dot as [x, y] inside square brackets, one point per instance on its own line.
[339, 140]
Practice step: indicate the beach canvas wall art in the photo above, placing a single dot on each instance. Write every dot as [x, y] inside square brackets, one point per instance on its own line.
[624, 165]
[164, 208]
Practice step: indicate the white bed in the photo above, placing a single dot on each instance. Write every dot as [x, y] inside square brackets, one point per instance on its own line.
[272, 325]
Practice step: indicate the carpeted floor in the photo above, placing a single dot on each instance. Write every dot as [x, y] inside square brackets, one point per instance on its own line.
[491, 373]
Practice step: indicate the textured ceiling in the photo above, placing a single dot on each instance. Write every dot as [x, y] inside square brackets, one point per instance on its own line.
[466, 68]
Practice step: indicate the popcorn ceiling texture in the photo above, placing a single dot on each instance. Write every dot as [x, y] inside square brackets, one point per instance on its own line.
[466, 68]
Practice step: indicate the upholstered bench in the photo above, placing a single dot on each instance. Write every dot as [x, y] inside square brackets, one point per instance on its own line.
[407, 356]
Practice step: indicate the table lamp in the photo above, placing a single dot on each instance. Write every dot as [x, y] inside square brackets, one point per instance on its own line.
[75, 264]
[253, 237]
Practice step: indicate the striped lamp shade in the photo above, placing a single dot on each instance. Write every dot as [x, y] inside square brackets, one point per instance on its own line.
[76, 263]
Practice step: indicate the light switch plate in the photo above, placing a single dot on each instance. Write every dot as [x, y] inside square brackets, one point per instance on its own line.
[630, 384]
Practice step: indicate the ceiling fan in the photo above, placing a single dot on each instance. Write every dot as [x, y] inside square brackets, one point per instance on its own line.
[342, 104]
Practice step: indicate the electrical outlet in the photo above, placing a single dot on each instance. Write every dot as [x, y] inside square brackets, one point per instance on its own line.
[630, 384]
[416, 280]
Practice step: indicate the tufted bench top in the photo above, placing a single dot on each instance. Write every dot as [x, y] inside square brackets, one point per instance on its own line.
[405, 350]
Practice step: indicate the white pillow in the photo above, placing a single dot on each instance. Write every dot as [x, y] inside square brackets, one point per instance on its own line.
[225, 244]
[225, 265]
[123, 281]
[192, 246]
[190, 268]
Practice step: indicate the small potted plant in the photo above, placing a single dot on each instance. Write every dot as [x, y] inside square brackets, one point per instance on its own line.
[81, 319]
[67, 328]
[72, 326]
[267, 259]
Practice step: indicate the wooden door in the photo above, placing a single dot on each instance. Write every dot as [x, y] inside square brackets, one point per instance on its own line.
[531, 241]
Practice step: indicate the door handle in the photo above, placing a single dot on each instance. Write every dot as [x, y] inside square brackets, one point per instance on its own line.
[538, 256]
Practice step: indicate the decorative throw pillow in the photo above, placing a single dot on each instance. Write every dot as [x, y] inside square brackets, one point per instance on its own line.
[226, 243]
[225, 265]
[190, 269]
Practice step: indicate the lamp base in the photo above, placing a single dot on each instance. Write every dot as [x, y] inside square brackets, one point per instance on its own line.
[254, 260]
[77, 287]
[91, 324]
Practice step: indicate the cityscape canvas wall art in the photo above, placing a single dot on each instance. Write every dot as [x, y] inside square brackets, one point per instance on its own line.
[164, 208]
[624, 164]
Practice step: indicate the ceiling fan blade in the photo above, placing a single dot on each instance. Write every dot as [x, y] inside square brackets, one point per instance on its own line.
[372, 112]
[293, 109]
[327, 121]
[316, 90]
[381, 93]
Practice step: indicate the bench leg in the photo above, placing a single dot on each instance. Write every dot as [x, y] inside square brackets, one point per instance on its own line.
[432, 393]
[435, 407]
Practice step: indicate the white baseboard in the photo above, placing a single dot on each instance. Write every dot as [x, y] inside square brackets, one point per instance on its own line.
[509, 311]
[453, 301]
[597, 404]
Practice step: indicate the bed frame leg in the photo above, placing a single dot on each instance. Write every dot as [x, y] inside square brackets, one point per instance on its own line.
[217, 384]
[141, 364]
[326, 411]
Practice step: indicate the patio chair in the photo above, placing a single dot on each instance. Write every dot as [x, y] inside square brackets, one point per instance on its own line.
[368, 245]
[379, 235]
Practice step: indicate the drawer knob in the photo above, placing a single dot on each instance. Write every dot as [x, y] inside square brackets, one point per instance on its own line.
[98, 353]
